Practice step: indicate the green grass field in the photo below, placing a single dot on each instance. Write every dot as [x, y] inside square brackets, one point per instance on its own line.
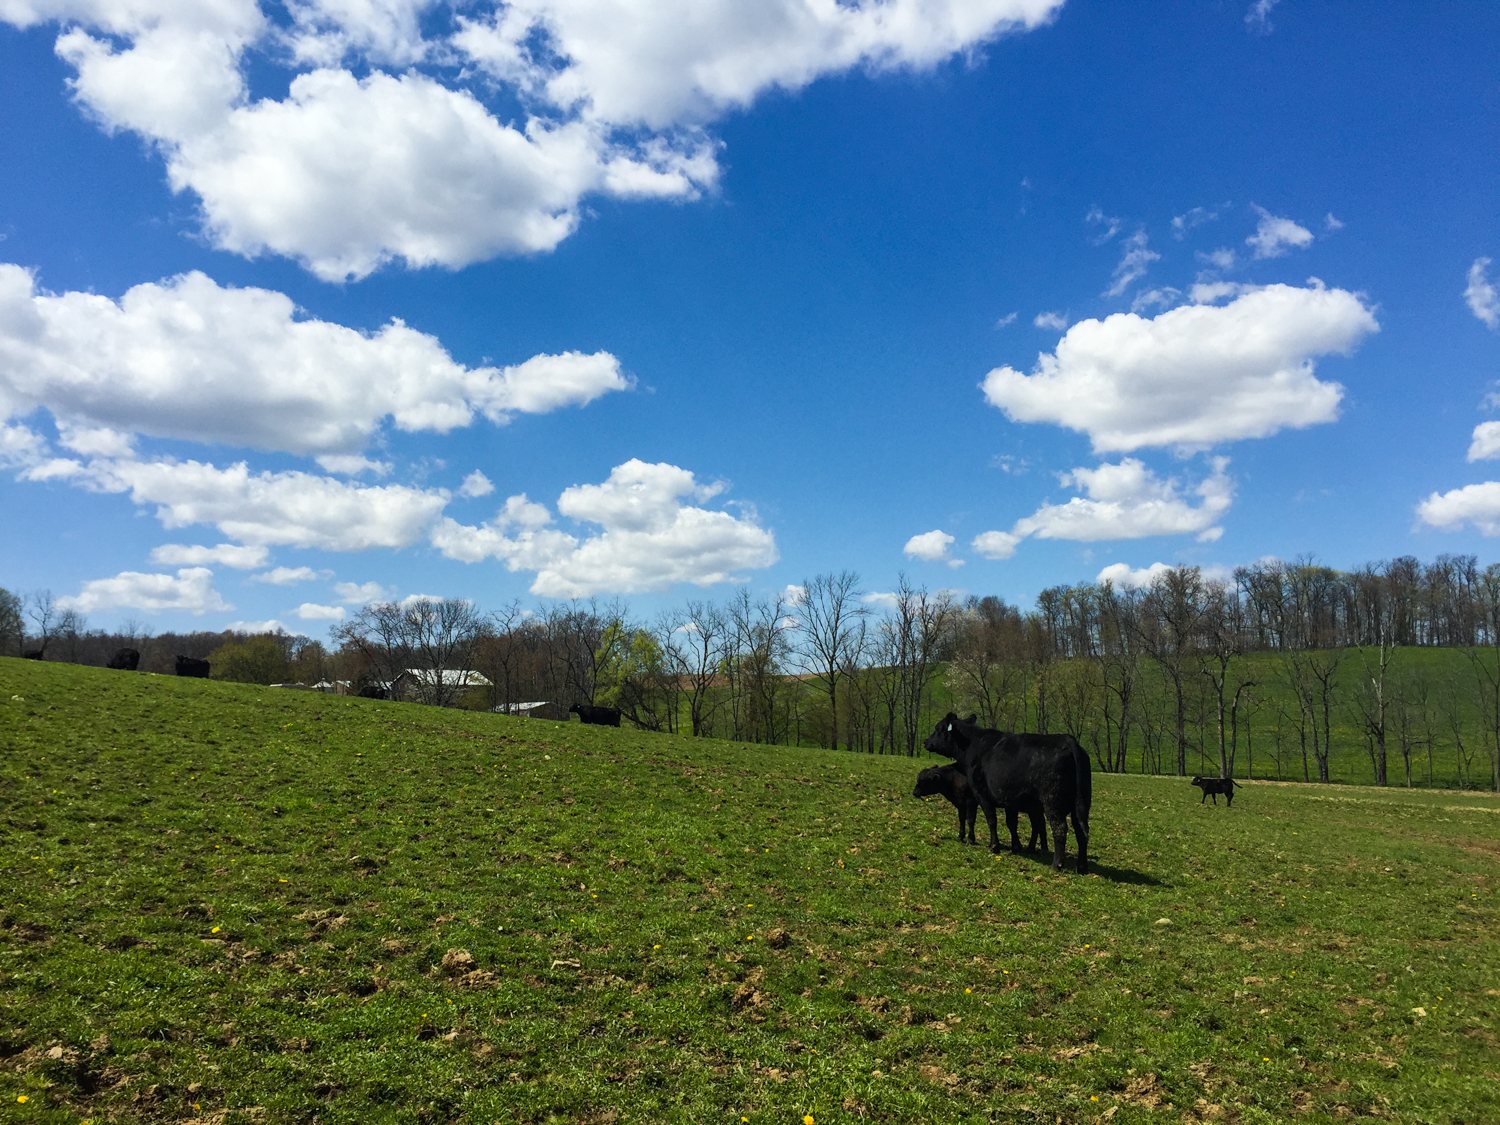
[223, 903]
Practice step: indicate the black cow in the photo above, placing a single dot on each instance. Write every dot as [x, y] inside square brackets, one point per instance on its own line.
[126, 660]
[599, 716]
[192, 666]
[1017, 771]
[950, 782]
[1213, 786]
[37, 655]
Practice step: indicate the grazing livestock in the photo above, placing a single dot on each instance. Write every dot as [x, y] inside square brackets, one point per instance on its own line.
[1213, 786]
[950, 782]
[37, 655]
[126, 660]
[1018, 771]
[192, 666]
[599, 716]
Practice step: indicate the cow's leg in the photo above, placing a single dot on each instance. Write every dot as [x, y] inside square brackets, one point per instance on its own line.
[1012, 815]
[1059, 826]
[1229, 797]
[961, 825]
[1216, 800]
[1081, 840]
[973, 813]
[1205, 797]
[989, 817]
[1038, 832]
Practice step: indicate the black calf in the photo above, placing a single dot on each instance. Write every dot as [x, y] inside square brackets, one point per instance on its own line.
[952, 783]
[1213, 786]
[192, 666]
[126, 660]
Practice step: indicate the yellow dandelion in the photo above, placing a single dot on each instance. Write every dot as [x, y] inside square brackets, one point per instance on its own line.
[656, 947]
[1093, 1097]
[214, 930]
[808, 1120]
[968, 990]
[22, 1098]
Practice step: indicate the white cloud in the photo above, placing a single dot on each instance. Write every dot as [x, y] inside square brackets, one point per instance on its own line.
[1330, 224]
[20, 447]
[1485, 443]
[996, 544]
[225, 554]
[1128, 501]
[1258, 16]
[1220, 259]
[1133, 263]
[191, 590]
[354, 593]
[1476, 504]
[1007, 320]
[1165, 297]
[270, 626]
[1481, 294]
[1273, 235]
[931, 546]
[1053, 320]
[1110, 223]
[1123, 576]
[311, 611]
[1123, 501]
[292, 508]
[352, 464]
[289, 575]
[794, 594]
[345, 173]
[187, 358]
[476, 484]
[650, 538]
[1181, 224]
[1194, 375]
[1212, 292]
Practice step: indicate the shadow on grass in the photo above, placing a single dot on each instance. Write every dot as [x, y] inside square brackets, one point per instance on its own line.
[1103, 870]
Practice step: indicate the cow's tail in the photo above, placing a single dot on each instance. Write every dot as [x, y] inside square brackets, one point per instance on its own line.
[1083, 792]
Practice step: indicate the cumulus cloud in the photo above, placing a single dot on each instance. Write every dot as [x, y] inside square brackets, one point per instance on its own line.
[225, 554]
[1274, 235]
[930, 546]
[311, 611]
[265, 509]
[1193, 376]
[352, 464]
[369, 158]
[1122, 501]
[653, 533]
[270, 625]
[476, 484]
[1220, 259]
[996, 544]
[360, 593]
[1485, 442]
[1133, 263]
[1127, 577]
[1474, 504]
[289, 575]
[1051, 320]
[1481, 294]
[191, 589]
[1164, 297]
[187, 358]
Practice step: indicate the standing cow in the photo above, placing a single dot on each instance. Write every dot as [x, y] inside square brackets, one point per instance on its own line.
[192, 666]
[600, 716]
[1213, 786]
[126, 660]
[1018, 771]
[952, 783]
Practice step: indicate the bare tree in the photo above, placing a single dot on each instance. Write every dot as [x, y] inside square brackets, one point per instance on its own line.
[695, 648]
[1171, 613]
[12, 624]
[830, 616]
[433, 637]
[1224, 642]
[1485, 661]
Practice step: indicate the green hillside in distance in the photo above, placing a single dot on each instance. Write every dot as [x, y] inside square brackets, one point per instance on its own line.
[223, 903]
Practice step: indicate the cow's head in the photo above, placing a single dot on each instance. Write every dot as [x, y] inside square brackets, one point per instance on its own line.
[950, 737]
[1197, 780]
[929, 782]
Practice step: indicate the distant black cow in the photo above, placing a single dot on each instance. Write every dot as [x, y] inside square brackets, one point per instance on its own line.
[37, 655]
[1018, 771]
[191, 666]
[1213, 786]
[126, 660]
[599, 716]
[950, 782]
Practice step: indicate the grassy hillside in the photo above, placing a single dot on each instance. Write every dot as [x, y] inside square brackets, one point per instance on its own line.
[224, 904]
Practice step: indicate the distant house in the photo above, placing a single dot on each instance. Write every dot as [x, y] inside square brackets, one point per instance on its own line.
[333, 687]
[422, 684]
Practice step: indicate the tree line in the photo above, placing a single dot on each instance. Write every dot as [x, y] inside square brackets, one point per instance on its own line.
[1388, 673]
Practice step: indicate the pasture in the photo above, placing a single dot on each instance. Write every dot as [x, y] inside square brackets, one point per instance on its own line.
[223, 903]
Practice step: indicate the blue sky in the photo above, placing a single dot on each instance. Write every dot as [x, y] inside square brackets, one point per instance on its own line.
[736, 298]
